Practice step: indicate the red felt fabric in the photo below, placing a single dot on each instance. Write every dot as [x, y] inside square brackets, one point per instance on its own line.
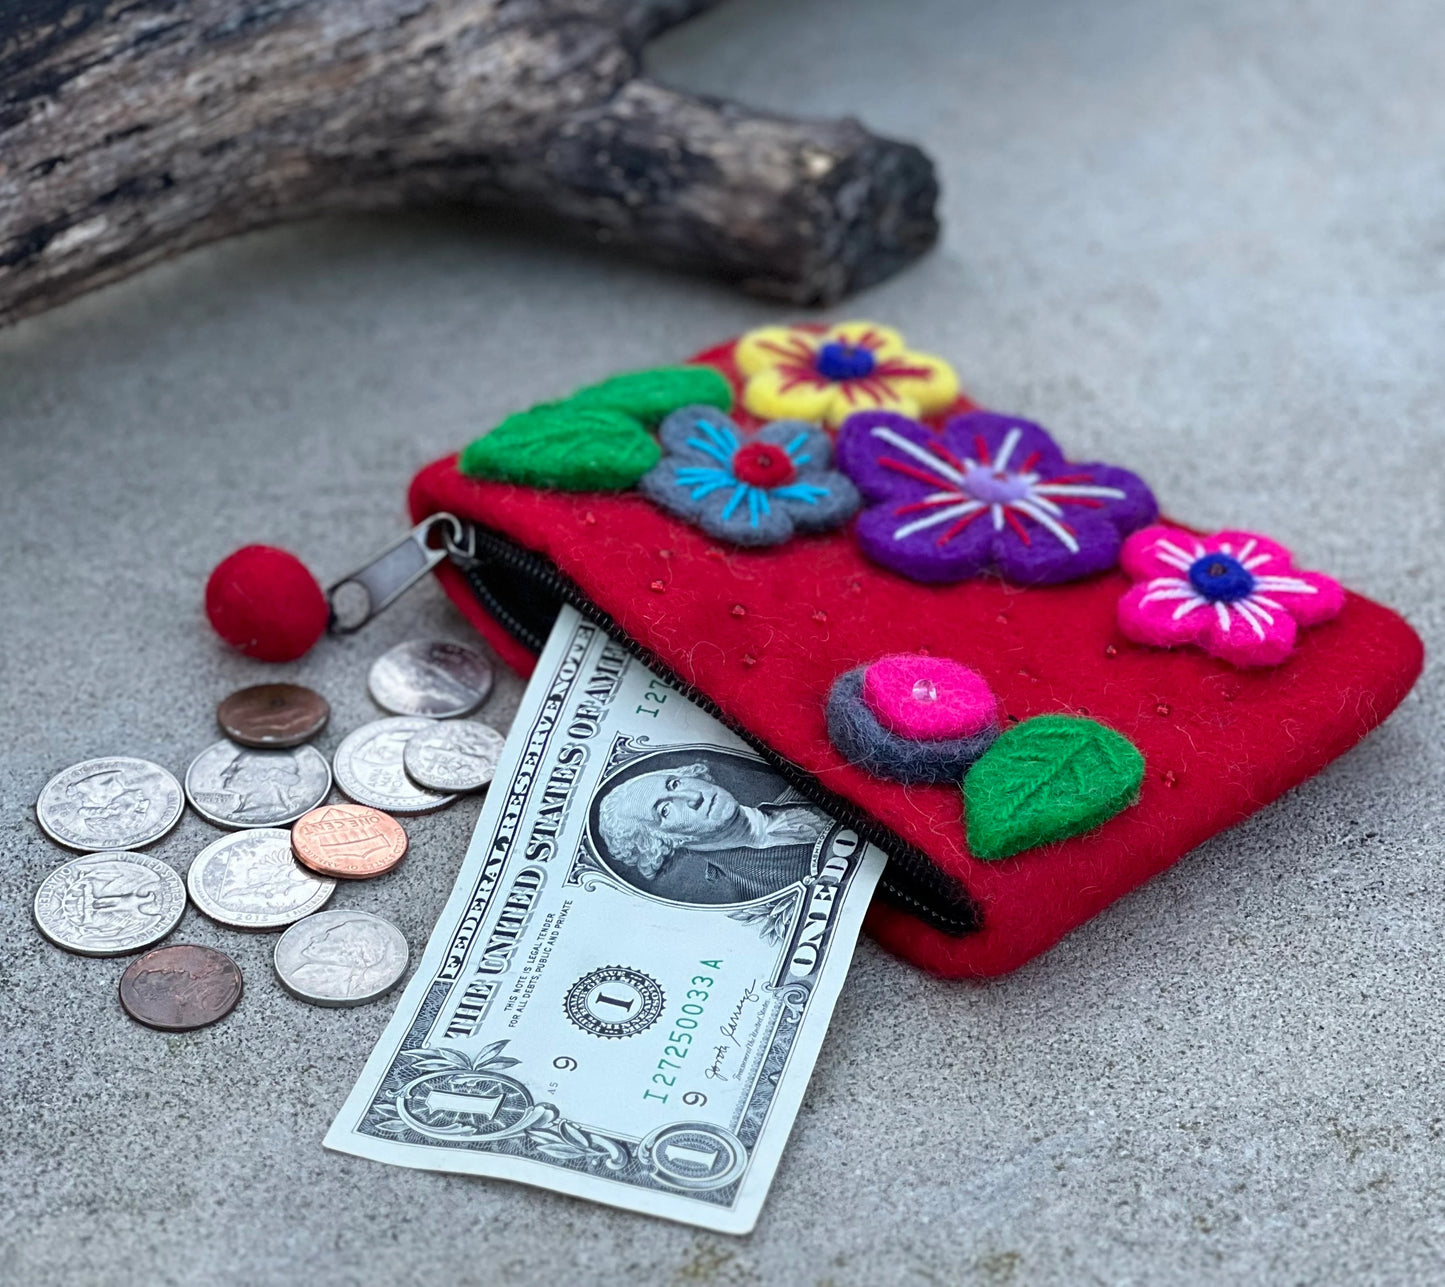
[1218, 743]
[263, 601]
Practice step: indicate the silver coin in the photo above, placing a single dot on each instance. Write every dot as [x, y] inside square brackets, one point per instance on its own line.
[432, 677]
[341, 958]
[238, 786]
[116, 803]
[369, 766]
[456, 756]
[108, 904]
[251, 880]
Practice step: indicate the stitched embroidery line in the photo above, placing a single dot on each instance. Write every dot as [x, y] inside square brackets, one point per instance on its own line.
[972, 485]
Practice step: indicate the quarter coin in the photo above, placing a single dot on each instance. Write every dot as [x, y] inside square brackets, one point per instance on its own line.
[369, 769]
[273, 716]
[109, 904]
[349, 841]
[432, 677]
[456, 756]
[239, 786]
[251, 880]
[180, 987]
[341, 958]
[115, 803]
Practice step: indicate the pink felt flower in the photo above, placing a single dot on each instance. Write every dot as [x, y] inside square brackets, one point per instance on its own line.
[927, 698]
[912, 718]
[1235, 594]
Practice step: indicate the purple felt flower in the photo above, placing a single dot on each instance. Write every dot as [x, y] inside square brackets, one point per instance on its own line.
[989, 493]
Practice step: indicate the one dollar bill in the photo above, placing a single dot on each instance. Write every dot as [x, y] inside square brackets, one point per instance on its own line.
[626, 993]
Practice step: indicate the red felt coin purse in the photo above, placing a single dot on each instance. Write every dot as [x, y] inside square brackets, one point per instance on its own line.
[760, 635]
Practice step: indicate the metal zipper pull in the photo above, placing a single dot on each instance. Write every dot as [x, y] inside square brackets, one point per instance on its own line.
[356, 598]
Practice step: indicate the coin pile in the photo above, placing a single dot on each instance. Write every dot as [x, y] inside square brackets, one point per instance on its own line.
[287, 848]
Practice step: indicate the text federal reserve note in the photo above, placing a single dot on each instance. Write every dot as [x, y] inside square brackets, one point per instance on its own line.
[627, 990]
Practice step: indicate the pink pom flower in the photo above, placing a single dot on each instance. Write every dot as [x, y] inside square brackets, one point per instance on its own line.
[911, 717]
[928, 698]
[1235, 594]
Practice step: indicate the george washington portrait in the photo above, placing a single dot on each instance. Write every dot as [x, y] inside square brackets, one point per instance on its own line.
[705, 826]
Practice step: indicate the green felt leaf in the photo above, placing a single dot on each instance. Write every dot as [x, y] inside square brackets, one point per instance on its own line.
[1046, 779]
[652, 395]
[564, 446]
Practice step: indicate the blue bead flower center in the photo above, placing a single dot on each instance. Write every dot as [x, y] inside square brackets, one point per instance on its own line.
[837, 361]
[1220, 578]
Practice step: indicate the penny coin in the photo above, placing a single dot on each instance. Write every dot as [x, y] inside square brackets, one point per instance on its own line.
[251, 880]
[239, 786]
[180, 987]
[110, 804]
[432, 677]
[456, 756]
[341, 958]
[369, 767]
[109, 904]
[273, 717]
[349, 841]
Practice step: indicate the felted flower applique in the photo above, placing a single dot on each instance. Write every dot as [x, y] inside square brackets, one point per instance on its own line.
[912, 717]
[1235, 594]
[797, 374]
[750, 489]
[990, 493]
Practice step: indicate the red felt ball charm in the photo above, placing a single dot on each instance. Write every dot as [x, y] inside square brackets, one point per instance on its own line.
[264, 601]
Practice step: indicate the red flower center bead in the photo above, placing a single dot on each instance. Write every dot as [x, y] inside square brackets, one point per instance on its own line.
[763, 464]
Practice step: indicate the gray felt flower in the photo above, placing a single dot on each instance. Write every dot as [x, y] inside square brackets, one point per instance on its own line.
[861, 738]
[748, 488]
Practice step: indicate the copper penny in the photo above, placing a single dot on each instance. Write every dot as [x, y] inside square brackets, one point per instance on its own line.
[180, 987]
[273, 716]
[348, 841]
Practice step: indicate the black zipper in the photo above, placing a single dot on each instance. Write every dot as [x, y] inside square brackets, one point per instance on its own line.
[524, 592]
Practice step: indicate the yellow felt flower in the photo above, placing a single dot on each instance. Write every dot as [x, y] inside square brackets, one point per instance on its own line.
[793, 374]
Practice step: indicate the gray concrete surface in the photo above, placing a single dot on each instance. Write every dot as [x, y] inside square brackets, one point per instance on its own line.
[1204, 239]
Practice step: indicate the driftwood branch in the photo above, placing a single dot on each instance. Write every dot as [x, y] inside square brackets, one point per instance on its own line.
[134, 129]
